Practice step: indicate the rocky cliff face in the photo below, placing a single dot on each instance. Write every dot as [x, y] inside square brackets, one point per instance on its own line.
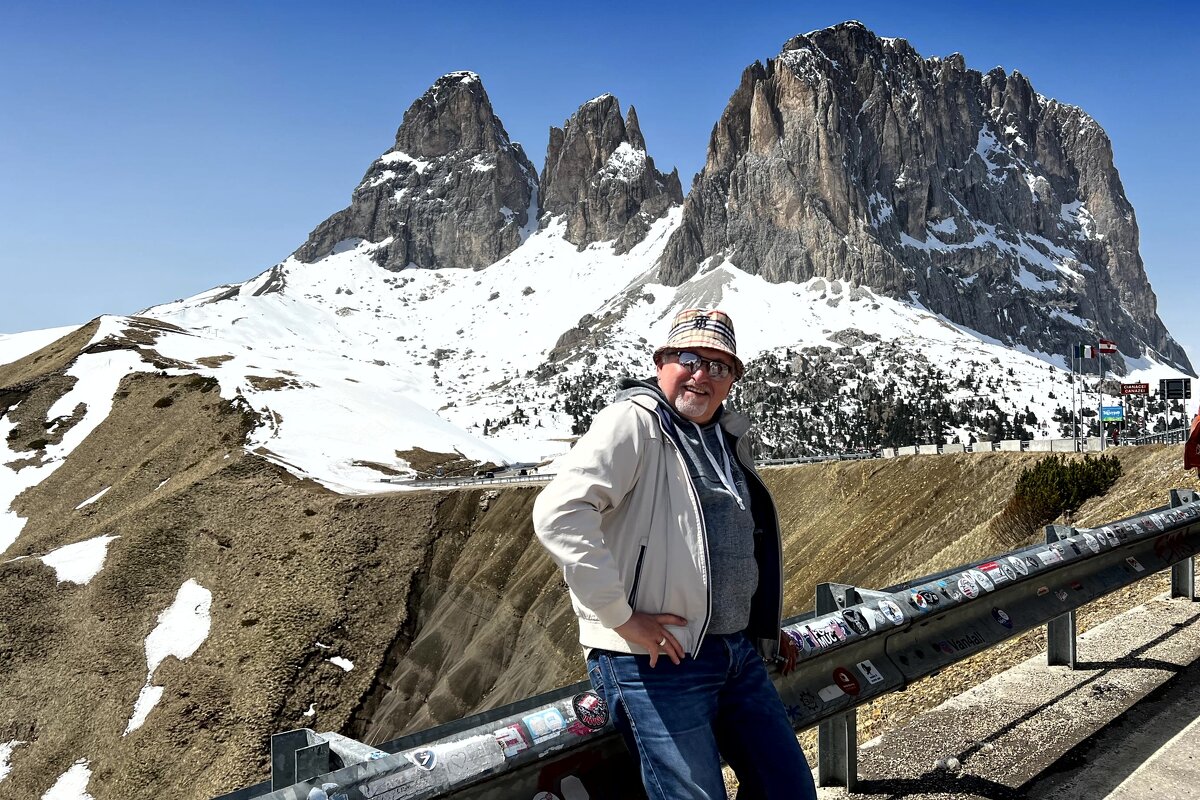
[852, 157]
[599, 176]
[453, 192]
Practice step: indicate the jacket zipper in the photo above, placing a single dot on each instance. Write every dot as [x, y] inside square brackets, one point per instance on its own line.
[703, 538]
[637, 576]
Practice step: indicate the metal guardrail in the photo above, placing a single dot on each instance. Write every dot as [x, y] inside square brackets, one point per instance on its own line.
[1088, 444]
[1172, 436]
[858, 645]
[475, 480]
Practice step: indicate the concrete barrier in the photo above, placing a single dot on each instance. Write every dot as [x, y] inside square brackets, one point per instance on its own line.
[927, 449]
[1093, 444]
[1062, 445]
[1041, 445]
[1011, 445]
[888, 452]
[953, 448]
[910, 450]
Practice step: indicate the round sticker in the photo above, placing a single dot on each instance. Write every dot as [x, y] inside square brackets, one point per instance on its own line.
[856, 621]
[967, 586]
[845, 681]
[1019, 565]
[1008, 571]
[1000, 616]
[545, 796]
[1092, 542]
[892, 611]
[918, 600]
[591, 710]
[799, 641]
[984, 581]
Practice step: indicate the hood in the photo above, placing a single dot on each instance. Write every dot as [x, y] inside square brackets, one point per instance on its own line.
[632, 387]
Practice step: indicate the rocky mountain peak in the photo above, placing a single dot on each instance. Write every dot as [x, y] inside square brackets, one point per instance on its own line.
[454, 190]
[599, 176]
[852, 157]
[455, 114]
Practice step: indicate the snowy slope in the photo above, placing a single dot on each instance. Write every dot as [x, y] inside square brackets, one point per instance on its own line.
[351, 366]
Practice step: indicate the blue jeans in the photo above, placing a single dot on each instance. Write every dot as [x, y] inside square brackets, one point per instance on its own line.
[680, 721]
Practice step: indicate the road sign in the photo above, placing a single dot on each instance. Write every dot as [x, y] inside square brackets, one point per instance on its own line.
[1175, 388]
[1112, 414]
[1135, 388]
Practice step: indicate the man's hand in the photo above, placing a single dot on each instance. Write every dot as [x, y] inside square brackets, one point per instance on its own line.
[648, 631]
[788, 653]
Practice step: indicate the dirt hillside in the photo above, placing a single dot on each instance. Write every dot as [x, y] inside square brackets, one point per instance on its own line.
[442, 601]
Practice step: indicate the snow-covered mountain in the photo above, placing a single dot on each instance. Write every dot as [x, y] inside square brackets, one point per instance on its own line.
[171, 593]
[439, 320]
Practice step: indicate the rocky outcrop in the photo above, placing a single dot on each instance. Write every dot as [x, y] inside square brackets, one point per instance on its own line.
[453, 192]
[599, 176]
[852, 157]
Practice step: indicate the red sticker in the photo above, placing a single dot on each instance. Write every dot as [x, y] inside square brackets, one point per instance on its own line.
[845, 681]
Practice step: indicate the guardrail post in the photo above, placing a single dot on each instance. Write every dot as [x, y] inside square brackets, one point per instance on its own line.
[1183, 574]
[297, 756]
[1060, 631]
[837, 737]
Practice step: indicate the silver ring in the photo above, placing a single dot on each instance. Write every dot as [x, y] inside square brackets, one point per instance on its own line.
[662, 642]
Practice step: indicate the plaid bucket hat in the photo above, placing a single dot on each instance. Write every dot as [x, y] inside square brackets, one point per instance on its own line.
[699, 327]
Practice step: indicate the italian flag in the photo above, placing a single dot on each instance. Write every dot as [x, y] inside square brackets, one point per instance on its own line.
[1084, 351]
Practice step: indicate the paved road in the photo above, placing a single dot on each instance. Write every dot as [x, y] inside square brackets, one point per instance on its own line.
[1151, 751]
[1124, 725]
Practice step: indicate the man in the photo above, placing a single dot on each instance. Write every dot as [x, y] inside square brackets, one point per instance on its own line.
[1191, 449]
[669, 543]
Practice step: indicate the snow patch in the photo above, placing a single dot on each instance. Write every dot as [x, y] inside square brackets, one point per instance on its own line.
[15, 346]
[181, 629]
[72, 784]
[344, 663]
[79, 562]
[93, 498]
[97, 377]
[6, 750]
[399, 157]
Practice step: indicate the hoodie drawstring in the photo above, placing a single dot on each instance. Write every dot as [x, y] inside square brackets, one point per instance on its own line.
[726, 474]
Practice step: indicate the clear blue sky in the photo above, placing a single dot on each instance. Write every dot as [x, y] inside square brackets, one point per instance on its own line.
[150, 150]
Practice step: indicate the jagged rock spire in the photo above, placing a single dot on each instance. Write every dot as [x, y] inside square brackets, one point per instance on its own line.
[600, 178]
[850, 156]
[454, 191]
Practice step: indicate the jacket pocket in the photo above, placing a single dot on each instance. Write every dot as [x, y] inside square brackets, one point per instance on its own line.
[637, 575]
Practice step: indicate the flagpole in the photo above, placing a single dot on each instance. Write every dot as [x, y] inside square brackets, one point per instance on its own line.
[1100, 392]
[1074, 396]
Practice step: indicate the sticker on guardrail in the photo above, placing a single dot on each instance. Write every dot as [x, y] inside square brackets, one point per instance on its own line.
[869, 672]
[892, 611]
[984, 582]
[512, 740]
[846, 682]
[545, 724]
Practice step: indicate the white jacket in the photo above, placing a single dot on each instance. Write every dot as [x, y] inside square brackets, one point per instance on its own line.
[623, 520]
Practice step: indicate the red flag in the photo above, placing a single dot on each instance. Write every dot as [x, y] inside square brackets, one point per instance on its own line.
[1106, 346]
[1191, 451]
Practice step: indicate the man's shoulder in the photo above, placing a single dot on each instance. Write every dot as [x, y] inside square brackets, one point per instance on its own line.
[636, 411]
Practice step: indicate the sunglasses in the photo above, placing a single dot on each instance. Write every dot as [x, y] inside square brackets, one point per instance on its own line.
[717, 370]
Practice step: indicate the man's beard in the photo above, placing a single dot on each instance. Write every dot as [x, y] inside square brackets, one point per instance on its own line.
[690, 405]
